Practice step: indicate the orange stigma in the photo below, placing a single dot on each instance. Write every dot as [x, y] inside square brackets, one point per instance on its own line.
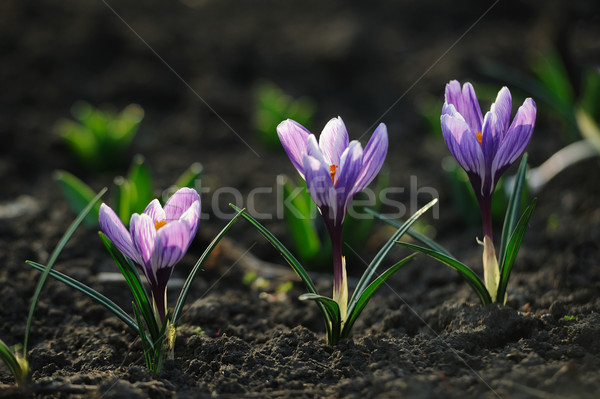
[479, 137]
[332, 171]
[159, 224]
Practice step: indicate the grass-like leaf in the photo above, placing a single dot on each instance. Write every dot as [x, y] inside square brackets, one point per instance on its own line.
[367, 277]
[136, 286]
[59, 247]
[423, 239]
[197, 267]
[291, 260]
[512, 212]
[17, 365]
[95, 295]
[333, 310]
[464, 270]
[147, 346]
[287, 255]
[368, 293]
[512, 249]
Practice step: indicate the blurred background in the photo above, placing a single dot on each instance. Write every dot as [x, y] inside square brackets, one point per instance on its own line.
[197, 68]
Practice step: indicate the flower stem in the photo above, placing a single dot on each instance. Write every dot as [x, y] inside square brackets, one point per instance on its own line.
[485, 206]
[159, 300]
[340, 286]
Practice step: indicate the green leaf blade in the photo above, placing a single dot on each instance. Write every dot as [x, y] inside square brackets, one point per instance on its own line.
[291, 260]
[90, 292]
[136, 286]
[367, 277]
[512, 212]
[468, 274]
[368, 293]
[287, 255]
[59, 247]
[196, 269]
[333, 311]
[423, 239]
[512, 249]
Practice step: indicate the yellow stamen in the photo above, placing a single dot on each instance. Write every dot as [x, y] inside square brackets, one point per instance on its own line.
[479, 137]
[332, 171]
[159, 224]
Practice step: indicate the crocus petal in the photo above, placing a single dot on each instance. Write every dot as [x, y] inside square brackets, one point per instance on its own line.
[333, 141]
[180, 202]
[113, 228]
[502, 108]
[293, 137]
[516, 138]
[350, 169]
[192, 217]
[462, 143]
[172, 241]
[373, 157]
[465, 102]
[143, 235]
[491, 136]
[313, 150]
[155, 211]
[318, 182]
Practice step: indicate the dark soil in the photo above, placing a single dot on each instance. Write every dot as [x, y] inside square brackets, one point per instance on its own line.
[425, 334]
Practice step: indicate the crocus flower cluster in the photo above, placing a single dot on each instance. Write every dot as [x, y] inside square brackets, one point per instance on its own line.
[335, 170]
[157, 239]
[485, 147]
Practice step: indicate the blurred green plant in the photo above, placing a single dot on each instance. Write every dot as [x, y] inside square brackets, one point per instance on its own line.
[272, 105]
[133, 192]
[306, 231]
[550, 83]
[98, 138]
[15, 358]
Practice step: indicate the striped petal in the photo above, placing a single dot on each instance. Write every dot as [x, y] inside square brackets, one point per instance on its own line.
[373, 157]
[192, 218]
[318, 182]
[155, 211]
[502, 108]
[293, 137]
[113, 228]
[350, 168]
[465, 102]
[179, 202]
[172, 241]
[143, 235]
[462, 142]
[313, 150]
[516, 138]
[333, 141]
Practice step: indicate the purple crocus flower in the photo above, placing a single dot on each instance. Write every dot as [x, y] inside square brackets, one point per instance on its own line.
[335, 171]
[485, 146]
[157, 239]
